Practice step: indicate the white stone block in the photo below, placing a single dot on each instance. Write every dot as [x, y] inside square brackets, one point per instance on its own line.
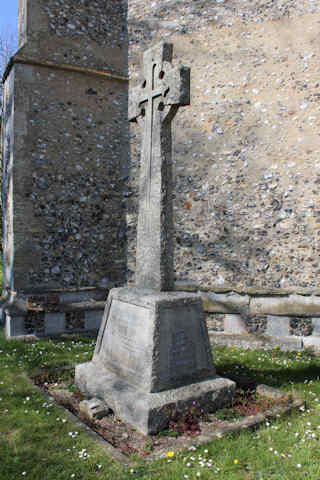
[54, 323]
[234, 323]
[14, 326]
[316, 327]
[278, 326]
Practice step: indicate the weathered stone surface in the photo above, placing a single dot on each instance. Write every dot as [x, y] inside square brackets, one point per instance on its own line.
[73, 27]
[258, 342]
[316, 327]
[246, 150]
[234, 323]
[292, 305]
[14, 326]
[154, 340]
[312, 342]
[149, 412]
[154, 104]
[64, 158]
[278, 326]
[185, 286]
[55, 323]
[65, 398]
[215, 321]
[152, 351]
[224, 303]
[93, 409]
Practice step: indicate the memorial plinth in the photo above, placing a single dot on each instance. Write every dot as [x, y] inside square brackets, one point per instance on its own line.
[152, 354]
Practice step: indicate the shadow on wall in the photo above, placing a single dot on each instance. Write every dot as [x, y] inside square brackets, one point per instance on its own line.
[210, 234]
[237, 222]
[7, 172]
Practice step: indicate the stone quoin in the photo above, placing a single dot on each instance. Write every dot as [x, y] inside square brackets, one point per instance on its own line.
[65, 157]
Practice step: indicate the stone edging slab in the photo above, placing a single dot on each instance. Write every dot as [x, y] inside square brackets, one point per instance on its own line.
[252, 421]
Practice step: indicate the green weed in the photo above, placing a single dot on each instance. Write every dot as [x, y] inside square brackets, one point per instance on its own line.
[39, 441]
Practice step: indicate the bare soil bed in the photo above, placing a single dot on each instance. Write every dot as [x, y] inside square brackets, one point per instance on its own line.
[251, 406]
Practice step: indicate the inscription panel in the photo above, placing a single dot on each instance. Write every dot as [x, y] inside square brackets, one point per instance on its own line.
[127, 342]
[182, 353]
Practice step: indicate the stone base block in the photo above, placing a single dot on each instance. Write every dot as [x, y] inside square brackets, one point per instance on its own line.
[14, 326]
[52, 312]
[149, 412]
[54, 323]
[316, 326]
[152, 355]
[40, 324]
[234, 323]
[277, 326]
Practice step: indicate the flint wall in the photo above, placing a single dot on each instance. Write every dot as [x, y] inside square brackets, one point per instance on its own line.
[65, 154]
[246, 152]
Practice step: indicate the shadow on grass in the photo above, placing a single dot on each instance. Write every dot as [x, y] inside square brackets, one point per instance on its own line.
[243, 372]
[272, 377]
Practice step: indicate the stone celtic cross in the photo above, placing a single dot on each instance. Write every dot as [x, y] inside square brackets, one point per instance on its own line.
[153, 104]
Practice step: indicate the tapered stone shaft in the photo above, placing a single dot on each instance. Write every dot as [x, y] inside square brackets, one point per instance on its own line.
[154, 104]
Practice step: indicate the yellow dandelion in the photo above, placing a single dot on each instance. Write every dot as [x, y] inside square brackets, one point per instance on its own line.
[236, 461]
[299, 354]
[170, 454]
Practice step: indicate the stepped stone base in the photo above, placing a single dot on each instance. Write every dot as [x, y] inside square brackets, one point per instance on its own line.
[149, 412]
[153, 356]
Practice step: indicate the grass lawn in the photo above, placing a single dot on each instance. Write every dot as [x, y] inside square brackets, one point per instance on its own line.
[39, 441]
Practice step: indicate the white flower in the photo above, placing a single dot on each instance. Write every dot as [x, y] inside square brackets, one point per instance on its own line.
[299, 465]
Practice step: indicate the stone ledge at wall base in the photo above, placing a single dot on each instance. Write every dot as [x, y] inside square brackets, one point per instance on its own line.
[281, 317]
[53, 312]
[255, 301]
[260, 342]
